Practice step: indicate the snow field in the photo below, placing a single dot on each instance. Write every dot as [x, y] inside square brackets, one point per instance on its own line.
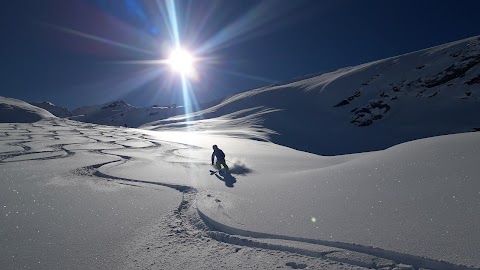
[60, 211]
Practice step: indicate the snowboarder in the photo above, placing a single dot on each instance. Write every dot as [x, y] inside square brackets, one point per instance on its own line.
[217, 152]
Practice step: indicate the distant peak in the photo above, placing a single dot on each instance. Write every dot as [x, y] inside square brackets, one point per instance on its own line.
[115, 104]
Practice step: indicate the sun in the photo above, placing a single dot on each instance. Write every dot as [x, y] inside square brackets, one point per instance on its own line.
[181, 61]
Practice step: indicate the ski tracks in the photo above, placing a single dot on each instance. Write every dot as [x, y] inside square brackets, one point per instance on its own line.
[187, 232]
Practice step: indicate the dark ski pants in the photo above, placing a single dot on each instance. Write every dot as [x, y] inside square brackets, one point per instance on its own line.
[221, 162]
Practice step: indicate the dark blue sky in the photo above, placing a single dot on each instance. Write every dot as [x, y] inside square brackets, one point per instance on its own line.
[76, 52]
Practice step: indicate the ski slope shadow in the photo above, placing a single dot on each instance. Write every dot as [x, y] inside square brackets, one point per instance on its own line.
[227, 178]
[237, 168]
[372, 257]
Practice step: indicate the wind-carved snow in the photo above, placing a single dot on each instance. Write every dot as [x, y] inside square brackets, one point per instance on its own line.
[363, 108]
[240, 124]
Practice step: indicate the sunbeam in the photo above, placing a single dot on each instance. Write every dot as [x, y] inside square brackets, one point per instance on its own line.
[247, 76]
[169, 15]
[98, 39]
[179, 59]
[250, 25]
[172, 27]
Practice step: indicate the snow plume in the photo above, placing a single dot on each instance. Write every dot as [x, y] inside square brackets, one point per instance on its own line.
[246, 123]
[238, 167]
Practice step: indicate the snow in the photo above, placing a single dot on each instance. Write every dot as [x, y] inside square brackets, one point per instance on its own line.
[55, 215]
[17, 111]
[120, 113]
[157, 204]
[35, 156]
[391, 196]
[418, 198]
[58, 111]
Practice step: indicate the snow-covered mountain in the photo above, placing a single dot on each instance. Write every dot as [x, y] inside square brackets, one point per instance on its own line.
[17, 111]
[355, 109]
[84, 196]
[102, 110]
[120, 113]
[58, 111]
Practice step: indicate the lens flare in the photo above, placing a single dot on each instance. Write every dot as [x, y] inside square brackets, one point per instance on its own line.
[181, 61]
[170, 24]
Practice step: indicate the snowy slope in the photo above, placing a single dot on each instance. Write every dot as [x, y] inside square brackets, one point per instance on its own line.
[57, 211]
[355, 109]
[83, 196]
[58, 111]
[14, 110]
[95, 112]
[415, 202]
[120, 113]
[68, 188]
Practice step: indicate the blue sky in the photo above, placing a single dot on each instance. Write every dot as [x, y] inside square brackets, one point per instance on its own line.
[76, 52]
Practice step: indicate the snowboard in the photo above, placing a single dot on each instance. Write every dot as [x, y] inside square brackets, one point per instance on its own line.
[212, 172]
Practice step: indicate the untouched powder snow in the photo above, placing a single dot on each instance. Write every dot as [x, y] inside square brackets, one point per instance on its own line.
[17, 111]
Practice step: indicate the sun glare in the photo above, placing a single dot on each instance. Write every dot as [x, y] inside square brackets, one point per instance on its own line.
[181, 61]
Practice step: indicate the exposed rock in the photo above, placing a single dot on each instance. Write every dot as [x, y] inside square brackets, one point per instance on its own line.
[119, 103]
[475, 80]
[342, 103]
[348, 100]
[470, 58]
[454, 71]
[374, 111]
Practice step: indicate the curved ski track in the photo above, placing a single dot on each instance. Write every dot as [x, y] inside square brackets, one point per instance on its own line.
[188, 216]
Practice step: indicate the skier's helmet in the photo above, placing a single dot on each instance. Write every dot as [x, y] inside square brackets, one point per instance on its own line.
[214, 146]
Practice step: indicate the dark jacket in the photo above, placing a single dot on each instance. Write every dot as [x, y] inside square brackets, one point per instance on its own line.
[219, 154]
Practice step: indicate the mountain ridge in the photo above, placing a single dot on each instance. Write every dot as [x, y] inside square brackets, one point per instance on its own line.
[18, 111]
[368, 107]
